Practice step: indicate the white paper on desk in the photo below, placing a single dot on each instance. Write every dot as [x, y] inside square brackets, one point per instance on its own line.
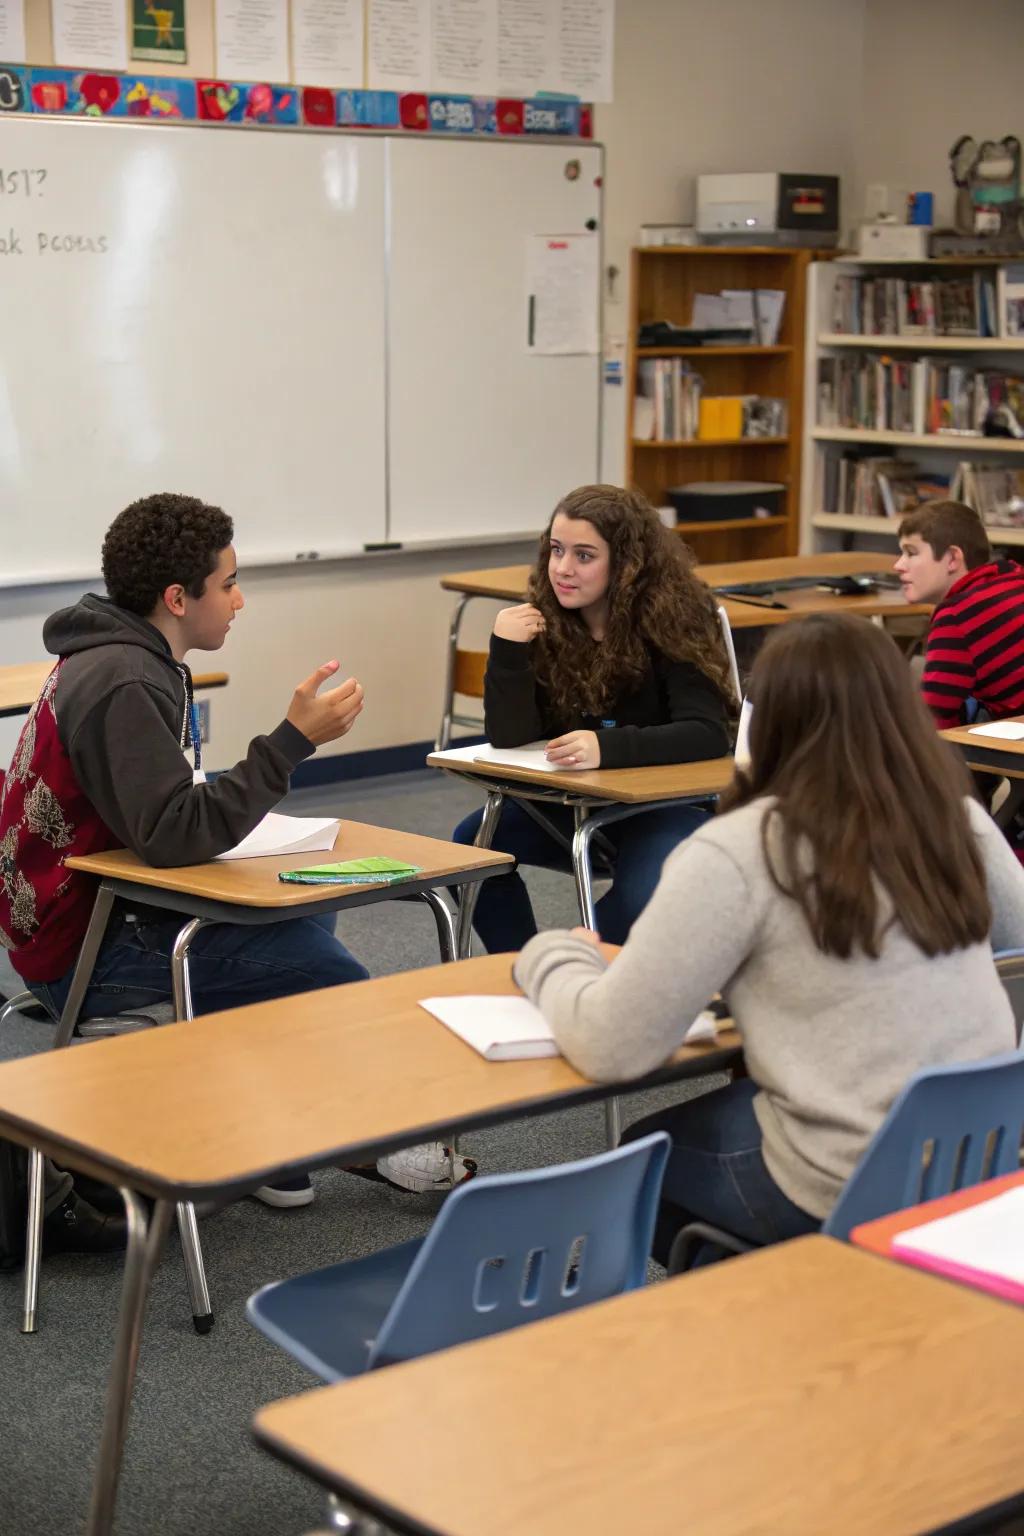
[512, 1029]
[1003, 730]
[988, 1237]
[277, 834]
[531, 756]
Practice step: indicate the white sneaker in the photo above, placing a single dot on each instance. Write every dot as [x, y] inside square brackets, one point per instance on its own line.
[432, 1166]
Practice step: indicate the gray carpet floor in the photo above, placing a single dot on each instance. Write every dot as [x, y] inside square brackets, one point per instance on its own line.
[191, 1467]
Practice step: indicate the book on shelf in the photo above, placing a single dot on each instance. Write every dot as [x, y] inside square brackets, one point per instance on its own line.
[1011, 301]
[921, 395]
[673, 407]
[873, 485]
[897, 306]
[995, 491]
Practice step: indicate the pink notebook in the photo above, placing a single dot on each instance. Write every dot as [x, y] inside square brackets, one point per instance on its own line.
[982, 1245]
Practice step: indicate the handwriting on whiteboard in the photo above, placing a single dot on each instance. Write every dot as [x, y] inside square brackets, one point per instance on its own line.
[54, 243]
[23, 183]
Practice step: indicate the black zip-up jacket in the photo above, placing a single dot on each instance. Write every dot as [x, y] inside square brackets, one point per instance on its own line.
[674, 715]
[122, 709]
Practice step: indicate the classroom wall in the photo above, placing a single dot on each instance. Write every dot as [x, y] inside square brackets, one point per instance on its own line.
[933, 70]
[873, 89]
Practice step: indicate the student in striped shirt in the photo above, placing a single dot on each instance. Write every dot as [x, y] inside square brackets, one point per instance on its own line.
[975, 646]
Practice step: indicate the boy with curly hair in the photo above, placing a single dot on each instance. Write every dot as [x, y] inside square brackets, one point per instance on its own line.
[101, 763]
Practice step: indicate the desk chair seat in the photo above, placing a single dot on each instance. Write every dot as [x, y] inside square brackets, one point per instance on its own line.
[506, 1250]
[950, 1128]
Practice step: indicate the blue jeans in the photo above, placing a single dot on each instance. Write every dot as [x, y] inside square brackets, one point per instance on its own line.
[716, 1172]
[228, 964]
[504, 917]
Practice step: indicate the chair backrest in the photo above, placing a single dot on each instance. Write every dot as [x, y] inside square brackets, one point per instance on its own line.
[468, 673]
[1010, 965]
[515, 1247]
[730, 651]
[951, 1127]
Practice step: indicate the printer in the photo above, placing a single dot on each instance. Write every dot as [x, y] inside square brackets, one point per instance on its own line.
[768, 208]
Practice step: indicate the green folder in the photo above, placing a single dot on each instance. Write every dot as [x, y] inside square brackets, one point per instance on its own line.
[375, 870]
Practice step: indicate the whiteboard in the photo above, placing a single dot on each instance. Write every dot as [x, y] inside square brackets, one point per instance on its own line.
[181, 330]
[323, 333]
[485, 437]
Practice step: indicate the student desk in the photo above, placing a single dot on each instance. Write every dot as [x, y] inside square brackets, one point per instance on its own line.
[805, 1388]
[509, 582]
[20, 686]
[245, 891]
[219, 1105]
[597, 796]
[877, 1236]
[987, 754]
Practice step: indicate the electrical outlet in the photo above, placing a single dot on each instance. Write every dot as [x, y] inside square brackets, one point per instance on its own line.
[203, 711]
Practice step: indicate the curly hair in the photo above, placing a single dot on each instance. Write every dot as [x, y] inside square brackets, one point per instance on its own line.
[158, 542]
[655, 603]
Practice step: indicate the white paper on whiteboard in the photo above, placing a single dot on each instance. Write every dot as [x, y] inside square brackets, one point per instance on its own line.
[399, 44]
[12, 31]
[90, 34]
[464, 43]
[587, 32]
[252, 40]
[327, 43]
[562, 281]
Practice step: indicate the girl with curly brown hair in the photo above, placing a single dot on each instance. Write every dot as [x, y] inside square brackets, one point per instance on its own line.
[616, 661]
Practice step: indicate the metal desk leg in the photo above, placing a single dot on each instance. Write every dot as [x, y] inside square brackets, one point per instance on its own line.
[444, 733]
[445, 923]
[188, 1231]
[585, 830]
[140, 1262]
[84, 966]
[33, 1242]
[65, 1029]
[468, 893]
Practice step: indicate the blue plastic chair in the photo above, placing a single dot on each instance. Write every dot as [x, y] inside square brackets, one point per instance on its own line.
[951, 1127]
[505, 1250]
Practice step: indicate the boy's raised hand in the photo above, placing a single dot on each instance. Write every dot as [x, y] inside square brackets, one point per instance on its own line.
[325, 717]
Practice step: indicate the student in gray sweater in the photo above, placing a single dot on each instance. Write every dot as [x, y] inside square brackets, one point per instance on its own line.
[846, 905]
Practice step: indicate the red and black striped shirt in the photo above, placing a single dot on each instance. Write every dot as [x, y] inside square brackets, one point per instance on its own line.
[976, 645]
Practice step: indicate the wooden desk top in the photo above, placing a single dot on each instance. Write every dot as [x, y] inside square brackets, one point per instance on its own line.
[804, 1389]
[625, 786]
[877, 1236]
[254, 882]
[20, 686]
[987, 754]
[509, 582]
[224, 1102]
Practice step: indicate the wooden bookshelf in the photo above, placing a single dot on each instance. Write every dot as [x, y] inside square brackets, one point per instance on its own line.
[664, 281]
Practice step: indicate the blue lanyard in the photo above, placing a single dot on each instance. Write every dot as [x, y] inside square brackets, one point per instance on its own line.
[194, 734]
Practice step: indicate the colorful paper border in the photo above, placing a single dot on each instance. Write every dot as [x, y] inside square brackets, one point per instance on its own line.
[91, 93]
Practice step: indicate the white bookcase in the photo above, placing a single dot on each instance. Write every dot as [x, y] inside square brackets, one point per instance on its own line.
[935, 452]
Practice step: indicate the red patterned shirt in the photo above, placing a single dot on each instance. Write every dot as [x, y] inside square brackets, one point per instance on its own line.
[976, 645]
[44, 819]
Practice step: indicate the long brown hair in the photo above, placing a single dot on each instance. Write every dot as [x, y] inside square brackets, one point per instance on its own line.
[655, 602]
[868, 798]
